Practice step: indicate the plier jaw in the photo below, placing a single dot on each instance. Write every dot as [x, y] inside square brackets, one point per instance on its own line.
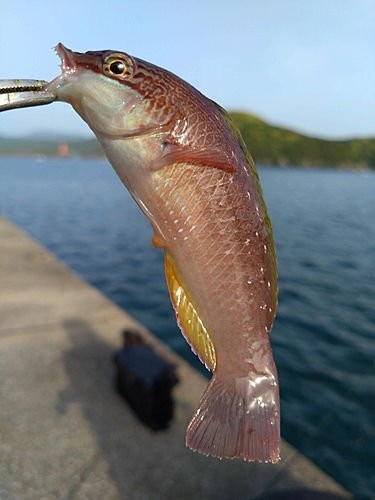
[24, 93]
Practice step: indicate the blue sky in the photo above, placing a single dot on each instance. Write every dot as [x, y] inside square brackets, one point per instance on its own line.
[308, 65]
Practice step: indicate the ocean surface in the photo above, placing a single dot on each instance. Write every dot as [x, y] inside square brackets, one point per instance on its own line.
[324, 333]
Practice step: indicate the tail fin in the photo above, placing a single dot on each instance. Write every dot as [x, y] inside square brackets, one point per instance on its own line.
[238, 417]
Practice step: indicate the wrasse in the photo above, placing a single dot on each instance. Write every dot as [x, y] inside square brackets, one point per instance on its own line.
[184, 162]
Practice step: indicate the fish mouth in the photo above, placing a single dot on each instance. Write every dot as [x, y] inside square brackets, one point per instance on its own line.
[18, 93]
[68, 66]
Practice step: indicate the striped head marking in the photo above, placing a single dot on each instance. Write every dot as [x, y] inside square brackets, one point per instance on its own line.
[118, 95]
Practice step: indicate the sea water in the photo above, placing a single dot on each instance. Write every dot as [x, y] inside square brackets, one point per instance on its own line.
[324, 332]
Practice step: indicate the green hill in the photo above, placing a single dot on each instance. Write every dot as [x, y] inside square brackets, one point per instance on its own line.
[267, 144]
[270, 145]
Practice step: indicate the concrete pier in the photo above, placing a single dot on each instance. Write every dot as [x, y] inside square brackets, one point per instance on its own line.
[66, 434]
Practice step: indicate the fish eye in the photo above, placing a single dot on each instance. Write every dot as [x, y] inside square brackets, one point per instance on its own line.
[117, 67]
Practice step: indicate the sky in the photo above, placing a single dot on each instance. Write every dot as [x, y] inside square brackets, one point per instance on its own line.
[306, 65]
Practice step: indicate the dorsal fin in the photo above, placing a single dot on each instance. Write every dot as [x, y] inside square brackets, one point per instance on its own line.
[237, 134]
[188, 320]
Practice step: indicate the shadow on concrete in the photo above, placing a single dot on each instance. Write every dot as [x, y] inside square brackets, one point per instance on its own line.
[125, 444]
[90, 372]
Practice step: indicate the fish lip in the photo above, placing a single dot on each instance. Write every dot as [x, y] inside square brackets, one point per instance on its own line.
[68, 66]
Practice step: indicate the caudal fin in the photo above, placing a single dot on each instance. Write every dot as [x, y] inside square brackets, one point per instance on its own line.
[238, 417]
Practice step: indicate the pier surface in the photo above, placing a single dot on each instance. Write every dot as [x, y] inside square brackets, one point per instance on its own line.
[66, 434]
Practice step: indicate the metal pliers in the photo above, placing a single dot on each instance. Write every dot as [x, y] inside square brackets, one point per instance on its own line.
[24, 93]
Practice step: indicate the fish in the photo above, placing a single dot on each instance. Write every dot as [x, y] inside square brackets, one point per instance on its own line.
[184, 162]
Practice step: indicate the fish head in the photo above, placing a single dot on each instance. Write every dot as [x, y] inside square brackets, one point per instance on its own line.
[114, 93]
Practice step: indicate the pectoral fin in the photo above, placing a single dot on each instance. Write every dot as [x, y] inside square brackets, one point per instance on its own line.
[187, 317]
[212, 157]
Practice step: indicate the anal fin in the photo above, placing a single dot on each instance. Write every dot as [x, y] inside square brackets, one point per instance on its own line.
[188, 320]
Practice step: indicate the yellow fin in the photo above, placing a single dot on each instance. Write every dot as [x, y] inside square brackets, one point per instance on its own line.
[187, 317]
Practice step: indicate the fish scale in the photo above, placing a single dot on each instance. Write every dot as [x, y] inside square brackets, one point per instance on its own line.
[211, 231]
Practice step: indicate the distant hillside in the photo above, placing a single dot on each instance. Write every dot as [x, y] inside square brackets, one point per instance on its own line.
[268, 145]
[49, 147]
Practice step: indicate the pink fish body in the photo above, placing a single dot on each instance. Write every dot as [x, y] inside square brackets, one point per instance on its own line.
[182, 159]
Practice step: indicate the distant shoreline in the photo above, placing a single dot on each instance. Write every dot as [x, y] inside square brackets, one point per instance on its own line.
[37, 157]
[268, 145]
